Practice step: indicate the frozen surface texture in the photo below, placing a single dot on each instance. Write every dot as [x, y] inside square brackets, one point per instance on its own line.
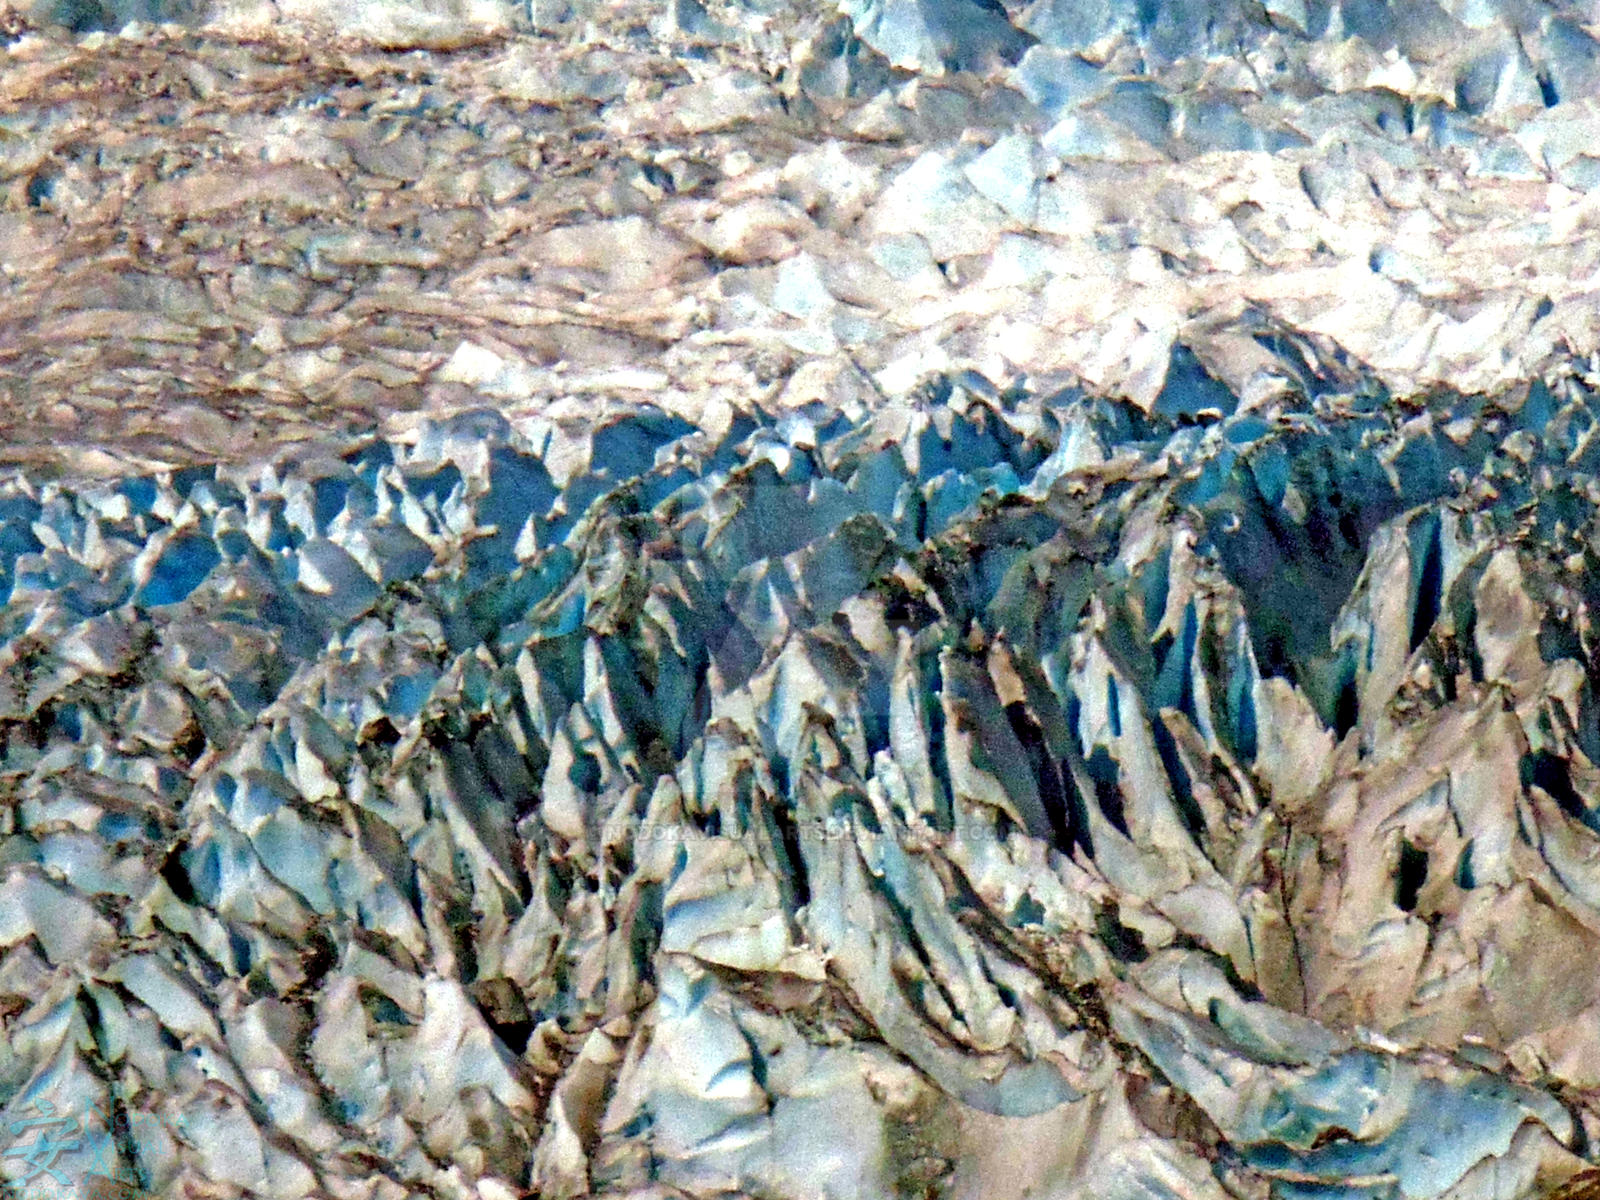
[213, 242]
[847, 805]
[918, 600]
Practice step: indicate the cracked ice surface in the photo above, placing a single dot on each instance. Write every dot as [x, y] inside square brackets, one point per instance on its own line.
[815, 811]
[219, 239]
[759, 599]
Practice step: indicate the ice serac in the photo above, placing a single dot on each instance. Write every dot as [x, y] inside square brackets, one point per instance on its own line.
[826, 798]
[741, 598]
[966, 35]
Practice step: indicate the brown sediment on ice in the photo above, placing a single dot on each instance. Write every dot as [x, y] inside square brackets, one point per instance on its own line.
[214, 243]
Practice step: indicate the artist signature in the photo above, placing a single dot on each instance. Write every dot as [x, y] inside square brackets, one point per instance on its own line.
[55, 1157]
